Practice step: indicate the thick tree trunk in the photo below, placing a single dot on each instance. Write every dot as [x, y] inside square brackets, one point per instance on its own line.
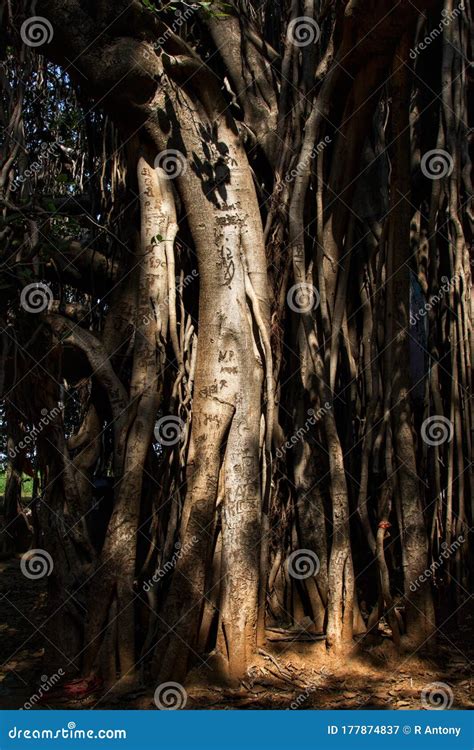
[231, 361]
[419, 608]
[115, 584]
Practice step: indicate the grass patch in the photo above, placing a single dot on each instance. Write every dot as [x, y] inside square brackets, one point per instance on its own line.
[26, 485]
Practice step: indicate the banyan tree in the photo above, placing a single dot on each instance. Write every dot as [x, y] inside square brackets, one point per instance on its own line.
[236, 324]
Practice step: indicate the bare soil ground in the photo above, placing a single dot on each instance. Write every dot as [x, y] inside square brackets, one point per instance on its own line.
[286, 675]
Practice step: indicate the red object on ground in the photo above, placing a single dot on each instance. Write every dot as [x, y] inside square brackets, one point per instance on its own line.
[78, 688]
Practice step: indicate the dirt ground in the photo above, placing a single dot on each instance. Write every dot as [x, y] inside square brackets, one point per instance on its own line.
[287, 674]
